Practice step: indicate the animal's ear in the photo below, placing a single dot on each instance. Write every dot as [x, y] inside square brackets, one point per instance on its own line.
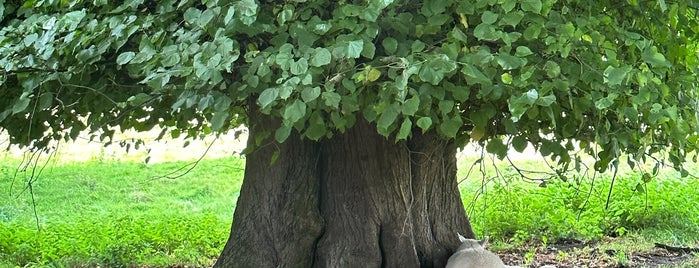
[461, 238]
[483, 241]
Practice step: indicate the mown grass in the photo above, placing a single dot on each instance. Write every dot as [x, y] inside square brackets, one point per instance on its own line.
[124, 214]
[117, 214]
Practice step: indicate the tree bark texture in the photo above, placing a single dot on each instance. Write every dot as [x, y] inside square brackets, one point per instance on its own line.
[357, 199]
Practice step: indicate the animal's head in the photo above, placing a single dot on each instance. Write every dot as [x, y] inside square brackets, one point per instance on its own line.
[467, 243]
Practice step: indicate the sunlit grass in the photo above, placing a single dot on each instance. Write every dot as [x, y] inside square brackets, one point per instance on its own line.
[118, 213]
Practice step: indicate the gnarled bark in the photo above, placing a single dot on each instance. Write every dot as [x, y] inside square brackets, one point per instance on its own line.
[354, 200]
[276, 221]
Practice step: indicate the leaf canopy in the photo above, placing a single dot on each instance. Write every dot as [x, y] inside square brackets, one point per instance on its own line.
[610, 77]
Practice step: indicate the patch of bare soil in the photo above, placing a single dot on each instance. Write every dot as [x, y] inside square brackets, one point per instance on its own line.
[578, 254]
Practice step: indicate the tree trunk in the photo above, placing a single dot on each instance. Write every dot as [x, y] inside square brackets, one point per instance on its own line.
[354, 200]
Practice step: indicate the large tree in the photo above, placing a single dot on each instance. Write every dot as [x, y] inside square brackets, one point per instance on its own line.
[356, 108]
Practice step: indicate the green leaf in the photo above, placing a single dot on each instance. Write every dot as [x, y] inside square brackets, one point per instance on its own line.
[606, 102]
[450, 126]
[533, 6]
[229, 15]
[192, 15]
[368, 50]
[497, 147]
[518, 105]
[268, 96]
[321, 57]
[368, 75]
[332, 99]
[486, 31]
[275, 157]
[284, 57]
[459, 35]
[460, 93]
[519, 143]
[294, 112]
[424, 123]
[446, 106]
[663, 5]
[205, 102]
[509, 5]
[30, 39]
[388, 117]
[218, 120]
[513, 18]
[354, 48]
[405, 129]
[615, 76]
[390, 45]
[317, 128]
[125, 57]
[506, 78]
[285, 15]
[651, 56]
[138, 99]
[72, 19]
[533, 31]
[475, 76]
[509, 62]
[168, 59]
[299, 67]
[552, 69]
[546, 101]
[436, 68]
[488, 17]
[45, 101]
[523, 51]
[417, 46]
[205, 18]
[21, 104]
[410, 106]
[310, 94]
[282, 133]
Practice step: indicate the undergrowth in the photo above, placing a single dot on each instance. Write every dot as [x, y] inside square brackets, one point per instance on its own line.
[126, 241]
[665, 209]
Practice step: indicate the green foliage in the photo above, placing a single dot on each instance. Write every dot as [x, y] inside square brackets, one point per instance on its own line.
[124, 241]
[610, 77]
[521, 212]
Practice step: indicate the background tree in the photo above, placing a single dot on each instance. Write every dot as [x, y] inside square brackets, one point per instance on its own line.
[356, 108]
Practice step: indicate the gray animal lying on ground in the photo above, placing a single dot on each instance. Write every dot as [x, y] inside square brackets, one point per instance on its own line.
[472, 254]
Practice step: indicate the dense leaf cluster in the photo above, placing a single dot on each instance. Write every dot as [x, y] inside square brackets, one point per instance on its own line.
[606, 76]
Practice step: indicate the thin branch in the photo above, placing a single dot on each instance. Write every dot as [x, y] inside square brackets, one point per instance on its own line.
[189, 167]
[611, 186]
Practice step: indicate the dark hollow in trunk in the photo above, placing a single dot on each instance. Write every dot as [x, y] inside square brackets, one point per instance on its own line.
[354, 200]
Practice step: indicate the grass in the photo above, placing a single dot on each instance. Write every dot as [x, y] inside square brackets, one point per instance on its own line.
[517, 214]
[125, 214]
[118, 213]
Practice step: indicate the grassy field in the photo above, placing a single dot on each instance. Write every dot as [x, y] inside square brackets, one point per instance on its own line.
[129, 214]
[118, 213]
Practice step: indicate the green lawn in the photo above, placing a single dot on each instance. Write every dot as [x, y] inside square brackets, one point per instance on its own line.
[118, 213]
[126, 214]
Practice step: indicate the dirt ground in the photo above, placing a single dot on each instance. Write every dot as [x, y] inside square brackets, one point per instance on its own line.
[578, 254]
